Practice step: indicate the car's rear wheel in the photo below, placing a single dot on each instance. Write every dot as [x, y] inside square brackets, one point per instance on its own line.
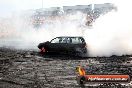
[81, 52]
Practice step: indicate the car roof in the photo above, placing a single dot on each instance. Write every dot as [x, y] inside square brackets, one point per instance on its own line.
[70, 37]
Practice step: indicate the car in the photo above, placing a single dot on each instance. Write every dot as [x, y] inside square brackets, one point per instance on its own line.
[65, 44]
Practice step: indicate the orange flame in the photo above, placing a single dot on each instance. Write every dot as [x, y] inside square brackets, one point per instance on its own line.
[81, 71]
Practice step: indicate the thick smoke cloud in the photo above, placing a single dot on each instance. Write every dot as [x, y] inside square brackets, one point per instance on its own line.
[18, 31]
[110, 35]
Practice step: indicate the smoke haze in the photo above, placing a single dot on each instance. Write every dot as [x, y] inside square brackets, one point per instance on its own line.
[111, 33]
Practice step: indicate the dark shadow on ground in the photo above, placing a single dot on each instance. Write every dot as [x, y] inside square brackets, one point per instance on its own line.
[62, 56]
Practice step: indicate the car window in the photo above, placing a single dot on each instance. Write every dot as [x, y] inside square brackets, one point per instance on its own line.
[69, 40]
[73, 40]
[64, 40]
[56, 40]
[76, 40]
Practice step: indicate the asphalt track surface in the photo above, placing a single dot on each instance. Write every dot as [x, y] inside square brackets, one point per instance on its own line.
[30, 69]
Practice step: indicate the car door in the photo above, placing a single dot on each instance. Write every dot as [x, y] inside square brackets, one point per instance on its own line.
[64, 44]
[75, 44]
[55, 45]
[69, 46]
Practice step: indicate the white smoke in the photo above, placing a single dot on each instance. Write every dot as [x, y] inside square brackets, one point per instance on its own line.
[111, 33]
[20, 33]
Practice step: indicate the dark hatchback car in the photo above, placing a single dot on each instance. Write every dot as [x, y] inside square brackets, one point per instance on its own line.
[65, 44]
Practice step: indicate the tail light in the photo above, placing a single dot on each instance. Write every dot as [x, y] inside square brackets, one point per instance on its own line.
[43, 49]
[85, 45]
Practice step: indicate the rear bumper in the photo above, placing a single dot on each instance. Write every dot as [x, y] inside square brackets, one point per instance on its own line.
[40, 45]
